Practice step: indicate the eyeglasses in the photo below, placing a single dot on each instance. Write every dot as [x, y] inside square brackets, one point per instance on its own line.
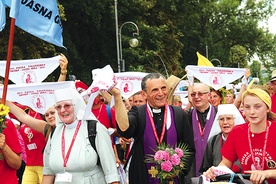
[226, 119]
[200, 94]
[65, 106]
[50, 113]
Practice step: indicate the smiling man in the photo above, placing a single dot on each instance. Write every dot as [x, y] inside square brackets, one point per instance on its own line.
[151, 124]
[201, 118]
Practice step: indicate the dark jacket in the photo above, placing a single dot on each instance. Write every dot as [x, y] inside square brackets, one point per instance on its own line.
[137, 121]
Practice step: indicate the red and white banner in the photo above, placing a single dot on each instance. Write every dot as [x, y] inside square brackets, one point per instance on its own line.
[216, 77]
[129, 82]
[38, 96]
[104, 79]
[30, 71]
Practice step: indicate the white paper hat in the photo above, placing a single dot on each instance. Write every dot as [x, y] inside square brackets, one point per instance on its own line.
[79, 104]
[223, 109]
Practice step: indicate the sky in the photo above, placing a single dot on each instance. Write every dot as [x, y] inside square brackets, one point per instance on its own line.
[272, 24]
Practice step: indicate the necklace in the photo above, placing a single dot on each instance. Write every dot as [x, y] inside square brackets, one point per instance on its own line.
[257, 165]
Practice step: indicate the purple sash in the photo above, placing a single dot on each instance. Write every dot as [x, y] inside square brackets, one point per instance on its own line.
[150, 143]
[199, 141]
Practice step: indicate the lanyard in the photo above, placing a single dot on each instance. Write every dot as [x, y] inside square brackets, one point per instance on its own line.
[153, 125]
[264, 148]
[65, 158]
[201, 130]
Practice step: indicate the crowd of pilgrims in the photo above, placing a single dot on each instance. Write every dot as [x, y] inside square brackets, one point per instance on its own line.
[218, 127]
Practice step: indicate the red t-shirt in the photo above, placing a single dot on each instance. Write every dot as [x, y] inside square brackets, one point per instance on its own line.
[8, 174]
[35, 145]
[237, 147]
[102, 115]
[273, 105]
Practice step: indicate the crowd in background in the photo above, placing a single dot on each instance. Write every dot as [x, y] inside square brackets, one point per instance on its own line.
[219, 127]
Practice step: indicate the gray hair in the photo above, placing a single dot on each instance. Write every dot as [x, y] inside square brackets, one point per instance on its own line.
[149, 77]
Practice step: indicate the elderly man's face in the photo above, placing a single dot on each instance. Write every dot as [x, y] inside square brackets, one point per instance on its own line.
[156, 92]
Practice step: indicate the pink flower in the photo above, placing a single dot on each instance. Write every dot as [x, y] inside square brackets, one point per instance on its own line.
[166, 155]
[158, 155]
[166, 166]
[175, 159]
[179, 152]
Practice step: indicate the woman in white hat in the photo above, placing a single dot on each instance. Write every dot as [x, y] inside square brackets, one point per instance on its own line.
[68, 155]
[226, 118]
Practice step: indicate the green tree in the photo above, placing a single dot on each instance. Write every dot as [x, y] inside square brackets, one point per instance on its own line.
[238, 57]
[255, 69]
[171, 32]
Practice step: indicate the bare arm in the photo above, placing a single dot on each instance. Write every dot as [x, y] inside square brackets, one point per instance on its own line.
[258, 176]
[38, 125]
[238, 99]
[48, 179]
[14, 160]
[106, 96]
[121, 112]
[63, 62]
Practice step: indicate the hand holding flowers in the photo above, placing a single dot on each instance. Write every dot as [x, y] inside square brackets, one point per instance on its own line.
[4, 110]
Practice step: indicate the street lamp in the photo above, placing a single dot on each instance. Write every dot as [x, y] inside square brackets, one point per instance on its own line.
[217, 61]
[132, 42]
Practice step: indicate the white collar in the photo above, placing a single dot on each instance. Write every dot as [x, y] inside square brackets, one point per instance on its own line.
[223, 137]
[71, 125]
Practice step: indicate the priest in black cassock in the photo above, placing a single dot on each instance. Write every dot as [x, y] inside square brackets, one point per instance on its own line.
[151, 124]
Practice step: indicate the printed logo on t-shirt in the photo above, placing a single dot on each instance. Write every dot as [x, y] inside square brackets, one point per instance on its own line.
[255, 162]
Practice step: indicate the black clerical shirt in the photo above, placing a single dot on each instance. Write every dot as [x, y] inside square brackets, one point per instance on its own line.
[202, 116]
[158, 119]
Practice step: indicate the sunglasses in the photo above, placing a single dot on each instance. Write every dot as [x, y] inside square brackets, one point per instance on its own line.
[50, 113]
[200, 94]
[65, 106]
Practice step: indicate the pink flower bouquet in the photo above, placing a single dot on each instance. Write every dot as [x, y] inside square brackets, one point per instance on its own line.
[170, 161]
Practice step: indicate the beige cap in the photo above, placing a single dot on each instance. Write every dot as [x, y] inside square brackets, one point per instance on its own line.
[273, 76]
[176, 98]
[172, 83]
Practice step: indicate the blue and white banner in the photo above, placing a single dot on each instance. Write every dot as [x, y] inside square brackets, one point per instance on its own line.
[2, 16]
[40, 97]
[38, 17]
[30, 71]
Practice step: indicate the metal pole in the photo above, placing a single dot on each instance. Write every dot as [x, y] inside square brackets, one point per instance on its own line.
[206, 51]
[163, 65]
[117, 39]
[120, 40]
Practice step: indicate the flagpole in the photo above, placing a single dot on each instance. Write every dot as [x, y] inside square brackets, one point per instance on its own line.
[8, 63]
